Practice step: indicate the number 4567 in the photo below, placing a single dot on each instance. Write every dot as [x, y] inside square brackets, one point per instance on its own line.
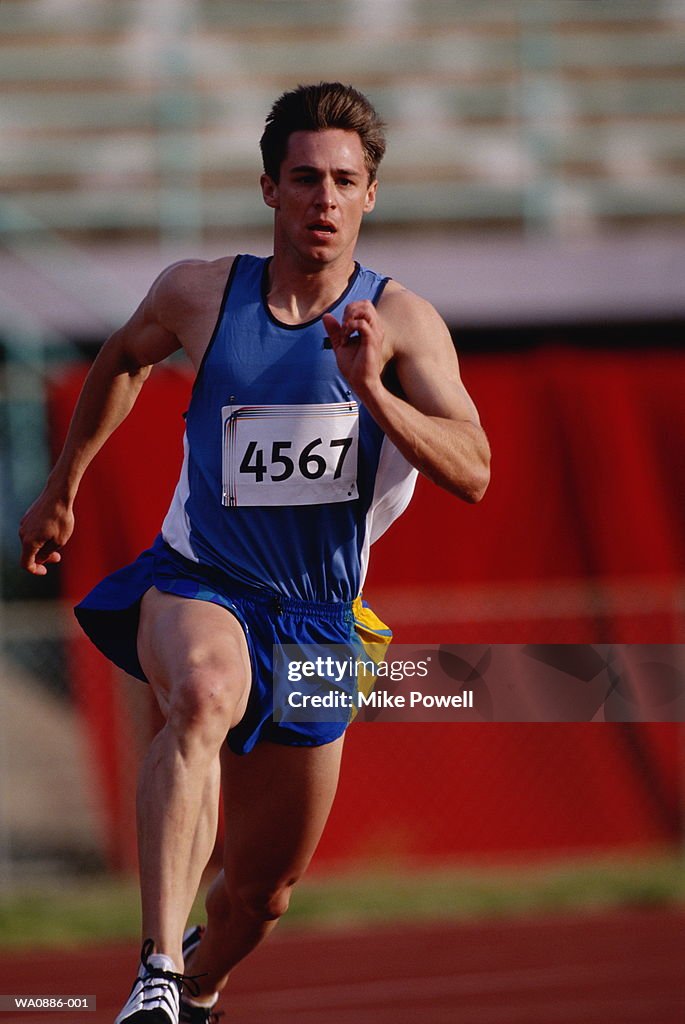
[310, 463]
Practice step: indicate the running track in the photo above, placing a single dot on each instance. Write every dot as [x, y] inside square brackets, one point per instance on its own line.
[607, 968]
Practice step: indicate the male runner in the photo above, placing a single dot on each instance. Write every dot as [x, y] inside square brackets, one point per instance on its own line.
[321, 389]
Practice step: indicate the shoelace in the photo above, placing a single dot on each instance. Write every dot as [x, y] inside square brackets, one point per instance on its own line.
[188, 981]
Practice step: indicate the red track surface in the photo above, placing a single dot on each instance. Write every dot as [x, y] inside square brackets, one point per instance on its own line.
[609, 968]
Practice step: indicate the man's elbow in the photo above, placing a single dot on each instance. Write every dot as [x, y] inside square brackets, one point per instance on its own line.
[474, 484]
[473, 490]
[470, 487]
[476, 466]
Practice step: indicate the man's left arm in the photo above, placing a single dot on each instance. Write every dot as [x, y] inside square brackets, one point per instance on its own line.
[436, 425]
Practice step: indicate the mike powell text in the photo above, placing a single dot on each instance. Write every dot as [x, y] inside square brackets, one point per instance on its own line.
[380, 699]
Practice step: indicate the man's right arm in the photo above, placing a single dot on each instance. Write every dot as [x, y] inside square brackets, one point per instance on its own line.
[108, 394]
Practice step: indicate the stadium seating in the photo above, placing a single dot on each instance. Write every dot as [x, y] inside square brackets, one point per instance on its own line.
[142, 118]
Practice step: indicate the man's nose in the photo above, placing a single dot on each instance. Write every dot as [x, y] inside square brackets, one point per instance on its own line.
[326, 195]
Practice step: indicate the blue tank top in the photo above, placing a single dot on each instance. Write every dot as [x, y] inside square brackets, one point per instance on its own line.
[286, 478]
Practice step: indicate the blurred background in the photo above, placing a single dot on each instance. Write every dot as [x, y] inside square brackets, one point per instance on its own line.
[533, 190]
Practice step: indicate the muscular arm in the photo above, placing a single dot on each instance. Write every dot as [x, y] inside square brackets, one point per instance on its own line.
[437, 427]
[109, 392]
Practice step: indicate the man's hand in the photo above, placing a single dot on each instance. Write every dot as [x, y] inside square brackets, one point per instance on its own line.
[44, 530]
[358, 345]
[434, 423]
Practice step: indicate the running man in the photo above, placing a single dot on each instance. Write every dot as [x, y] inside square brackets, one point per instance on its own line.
[321, 389]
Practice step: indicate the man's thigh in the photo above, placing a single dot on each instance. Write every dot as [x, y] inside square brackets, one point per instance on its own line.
[277, 800]
[181, 640]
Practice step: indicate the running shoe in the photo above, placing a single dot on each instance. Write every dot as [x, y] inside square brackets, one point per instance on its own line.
[191, 939]
[156, 992]
[199, 1014]
[190, 1014]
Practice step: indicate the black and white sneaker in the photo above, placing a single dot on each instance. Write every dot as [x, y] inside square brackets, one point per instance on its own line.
[156, 992]
[192, 937]
[198, 1014]
[190, 1014]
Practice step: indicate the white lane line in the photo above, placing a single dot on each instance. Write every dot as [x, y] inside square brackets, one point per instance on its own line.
[621, 1010]
[380, 991]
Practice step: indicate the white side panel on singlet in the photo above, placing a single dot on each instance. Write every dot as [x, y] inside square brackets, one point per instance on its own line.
[176, 525]
[394, 486]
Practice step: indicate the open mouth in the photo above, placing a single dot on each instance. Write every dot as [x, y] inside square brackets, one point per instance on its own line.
[321, 228]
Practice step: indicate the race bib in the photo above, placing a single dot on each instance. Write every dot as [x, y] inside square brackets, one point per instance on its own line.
[290, 454]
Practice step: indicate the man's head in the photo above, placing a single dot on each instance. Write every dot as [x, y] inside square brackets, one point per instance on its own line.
[316, 108]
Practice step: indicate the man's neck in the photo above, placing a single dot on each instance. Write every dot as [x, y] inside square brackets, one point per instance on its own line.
[297, 294]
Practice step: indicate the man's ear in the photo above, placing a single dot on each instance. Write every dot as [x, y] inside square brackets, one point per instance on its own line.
[371, 196]
[269, 191]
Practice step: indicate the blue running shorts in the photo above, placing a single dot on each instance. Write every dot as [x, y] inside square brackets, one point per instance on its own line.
[109, 615]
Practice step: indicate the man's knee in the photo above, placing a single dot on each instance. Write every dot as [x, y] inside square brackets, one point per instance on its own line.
[194, 654]
[264, 902]
[204, 703]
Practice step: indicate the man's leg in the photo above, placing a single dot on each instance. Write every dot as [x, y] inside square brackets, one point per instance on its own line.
[276, 803]
[195, 655]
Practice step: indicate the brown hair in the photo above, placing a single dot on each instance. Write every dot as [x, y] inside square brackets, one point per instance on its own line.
[315, 108]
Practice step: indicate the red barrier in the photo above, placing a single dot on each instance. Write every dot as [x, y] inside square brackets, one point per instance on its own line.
[578, 540]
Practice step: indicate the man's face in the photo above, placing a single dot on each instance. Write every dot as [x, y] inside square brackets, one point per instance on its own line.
[322, 195]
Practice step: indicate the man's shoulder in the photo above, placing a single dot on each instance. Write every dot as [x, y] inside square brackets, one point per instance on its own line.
[399, 303]
[408, 318]
[190, 279]
[188, 290]
[186, 298]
